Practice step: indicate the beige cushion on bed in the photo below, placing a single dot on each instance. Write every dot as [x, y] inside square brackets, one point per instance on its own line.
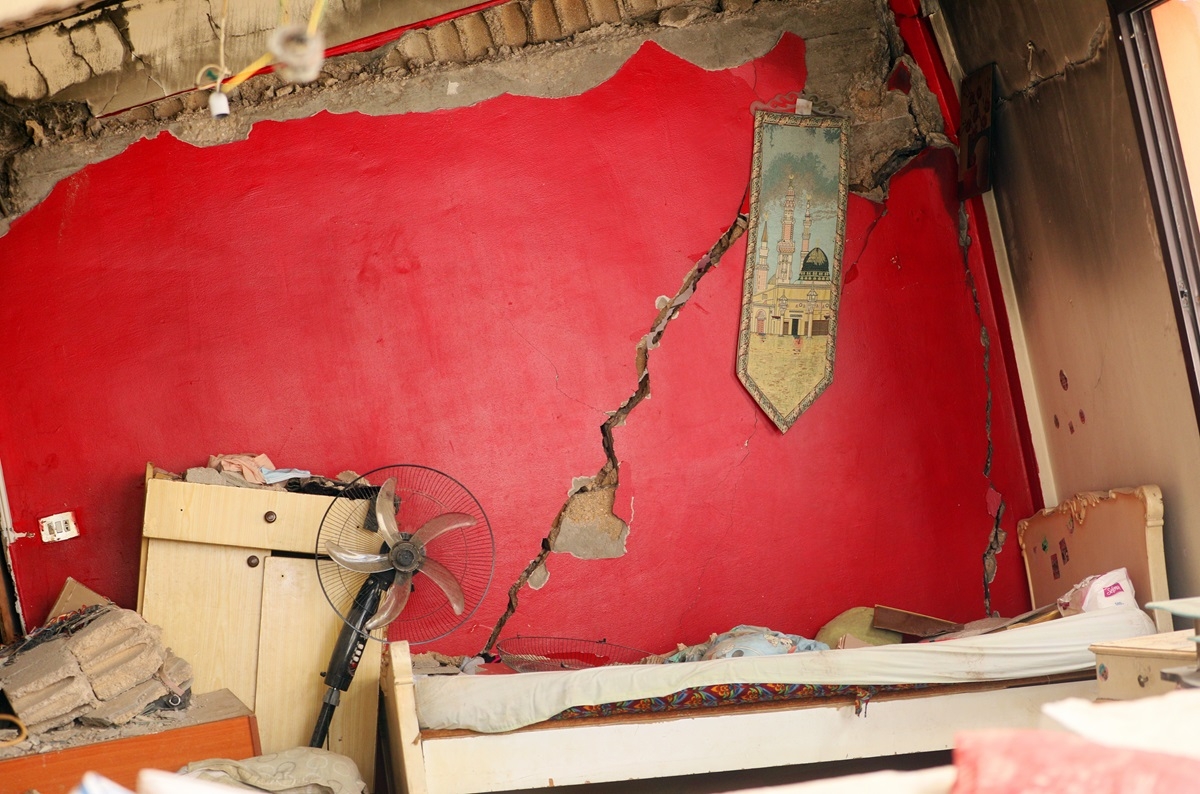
[857, 623]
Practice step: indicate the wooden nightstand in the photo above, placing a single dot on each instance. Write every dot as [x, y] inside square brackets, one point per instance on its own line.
[1128, 669]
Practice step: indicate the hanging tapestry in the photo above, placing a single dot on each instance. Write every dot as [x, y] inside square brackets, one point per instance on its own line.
[790, 295]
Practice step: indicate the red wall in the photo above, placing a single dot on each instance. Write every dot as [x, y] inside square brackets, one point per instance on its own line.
[465, 289]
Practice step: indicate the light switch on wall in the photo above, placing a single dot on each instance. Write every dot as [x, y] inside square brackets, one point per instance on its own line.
[60, 526]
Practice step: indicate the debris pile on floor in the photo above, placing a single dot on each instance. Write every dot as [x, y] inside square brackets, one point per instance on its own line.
[101, 666]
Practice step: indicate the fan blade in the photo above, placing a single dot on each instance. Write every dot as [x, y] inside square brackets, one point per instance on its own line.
[442, 577]
[385, 512]
[436, 527]
[393, 602]
[358, 560]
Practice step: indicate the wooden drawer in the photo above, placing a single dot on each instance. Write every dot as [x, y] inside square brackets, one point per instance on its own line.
[1129, 669]
[228, 516]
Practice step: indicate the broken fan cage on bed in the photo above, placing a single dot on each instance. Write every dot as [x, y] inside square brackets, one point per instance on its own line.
[545, 654]
[422, 494]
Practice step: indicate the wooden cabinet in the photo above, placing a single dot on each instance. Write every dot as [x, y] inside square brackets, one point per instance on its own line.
[228, 574]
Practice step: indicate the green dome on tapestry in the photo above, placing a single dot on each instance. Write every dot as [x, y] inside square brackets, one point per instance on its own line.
[815, 262]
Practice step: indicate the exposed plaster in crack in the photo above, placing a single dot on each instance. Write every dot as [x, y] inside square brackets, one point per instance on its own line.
[1095, 47]
[601, 490]
[997, 536]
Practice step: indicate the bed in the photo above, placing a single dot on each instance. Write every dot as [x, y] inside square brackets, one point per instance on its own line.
[458, 734]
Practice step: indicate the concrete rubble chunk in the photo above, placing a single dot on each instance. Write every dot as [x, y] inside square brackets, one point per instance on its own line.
[45, 686]
[112, 631]
[116, 651]
[108, 671]
[126, 668]
[58, 721]
[125, 705]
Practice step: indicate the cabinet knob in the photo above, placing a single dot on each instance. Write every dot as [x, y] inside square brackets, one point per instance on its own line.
[252, 560]
[269, 517]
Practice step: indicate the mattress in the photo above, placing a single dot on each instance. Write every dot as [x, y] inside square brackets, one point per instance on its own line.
[497, 703]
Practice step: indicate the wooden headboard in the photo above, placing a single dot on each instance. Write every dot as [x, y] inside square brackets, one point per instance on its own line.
[1093, 533]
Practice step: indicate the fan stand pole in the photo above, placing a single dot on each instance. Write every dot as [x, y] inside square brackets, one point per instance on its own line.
[348, 650]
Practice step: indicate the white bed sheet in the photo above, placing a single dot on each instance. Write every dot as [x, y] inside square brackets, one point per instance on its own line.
[497, 703]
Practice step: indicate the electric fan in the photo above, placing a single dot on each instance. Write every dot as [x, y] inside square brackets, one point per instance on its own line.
[405, 552]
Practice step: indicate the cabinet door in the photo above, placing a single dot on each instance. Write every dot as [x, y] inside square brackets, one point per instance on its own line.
[208, 599]
[298, 631]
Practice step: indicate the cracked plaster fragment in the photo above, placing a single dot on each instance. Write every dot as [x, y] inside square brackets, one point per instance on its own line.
[19, 78]
[54, 57]
[539, 576]
[100, 46]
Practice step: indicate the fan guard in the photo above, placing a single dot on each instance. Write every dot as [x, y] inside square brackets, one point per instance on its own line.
[544, 654]
[423, 494]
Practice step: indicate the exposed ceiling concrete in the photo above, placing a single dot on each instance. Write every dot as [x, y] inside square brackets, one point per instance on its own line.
[119, 55]
[852, 47]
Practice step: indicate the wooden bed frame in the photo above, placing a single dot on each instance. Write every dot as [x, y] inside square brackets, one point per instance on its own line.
[1101, 531]
[631, 747]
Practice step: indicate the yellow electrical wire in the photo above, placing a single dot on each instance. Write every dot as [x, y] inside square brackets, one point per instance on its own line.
[242, 76]
[22, 731]
[314, 16]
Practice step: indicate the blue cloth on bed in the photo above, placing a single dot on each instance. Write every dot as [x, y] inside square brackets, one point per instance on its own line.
[746, 641]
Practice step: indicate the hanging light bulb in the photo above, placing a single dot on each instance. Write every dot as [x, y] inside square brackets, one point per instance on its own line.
[300, 52]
